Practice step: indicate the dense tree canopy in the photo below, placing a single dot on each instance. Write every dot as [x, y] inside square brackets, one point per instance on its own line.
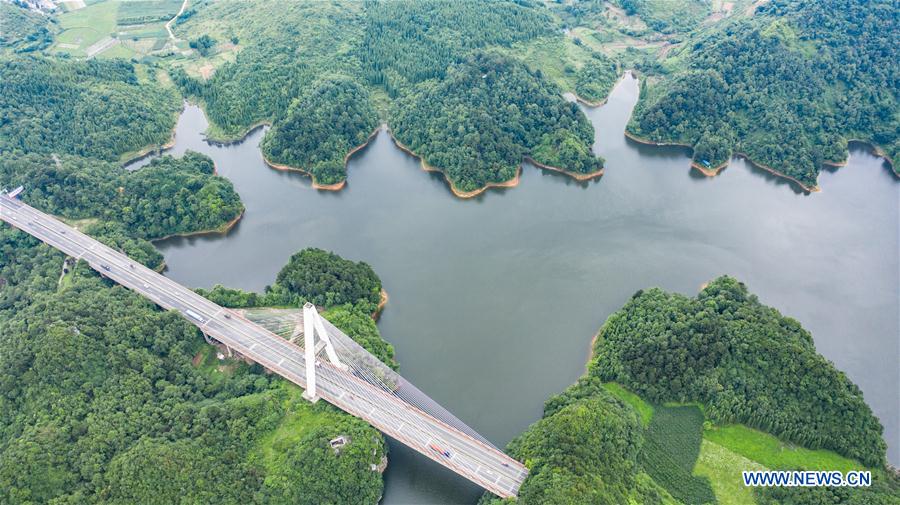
[746, 362]
[409, 42]
[740, 360]
[106, 399]
[585, 451]
[468, 112]
[490, 112]
[596, 78]
[326, 279]
[168, 196]
[321, 127]
[278, 62]
[93, 108]
[23, 29]
[787, 87]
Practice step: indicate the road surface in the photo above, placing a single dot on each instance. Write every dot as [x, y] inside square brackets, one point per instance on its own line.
[480, 463]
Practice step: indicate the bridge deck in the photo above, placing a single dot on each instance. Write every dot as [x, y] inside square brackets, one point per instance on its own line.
[480, 463]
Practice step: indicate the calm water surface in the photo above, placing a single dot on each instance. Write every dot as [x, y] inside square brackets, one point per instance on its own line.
[493, 301]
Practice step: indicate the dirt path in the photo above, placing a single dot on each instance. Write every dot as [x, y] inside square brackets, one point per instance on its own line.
[169, 24]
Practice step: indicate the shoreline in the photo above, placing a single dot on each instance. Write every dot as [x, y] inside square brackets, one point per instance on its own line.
[584, 101]
[381, 303]
[718, 168]
[325, 187]
[877, 151]
[808, 189]
[155, 149]
[237, 138]
[453, 189]
[221, 230]
[575, 175]
[131, 157]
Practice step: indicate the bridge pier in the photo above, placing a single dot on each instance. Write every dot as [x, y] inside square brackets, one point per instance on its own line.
[210, 341]
[309, 349]
[312, 326]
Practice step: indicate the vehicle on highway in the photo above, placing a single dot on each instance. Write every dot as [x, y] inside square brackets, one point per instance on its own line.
[146, 286]
[227, 315]
[440, 451]
[104, 266]
[194, 315]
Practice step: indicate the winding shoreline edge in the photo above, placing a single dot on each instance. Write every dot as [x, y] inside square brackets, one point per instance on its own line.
[221, 230]
[381, 303]
[457, 192]
[714, 171]
[326, 187]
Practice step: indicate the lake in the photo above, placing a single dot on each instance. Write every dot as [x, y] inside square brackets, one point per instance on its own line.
[494, 300]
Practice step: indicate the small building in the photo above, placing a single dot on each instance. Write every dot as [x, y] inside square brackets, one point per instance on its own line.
[337, 443]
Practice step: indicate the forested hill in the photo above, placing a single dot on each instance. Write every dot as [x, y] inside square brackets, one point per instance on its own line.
[105, 399]
[653, 420]
[431, 70]
[97, 109]
[490, 112]
[746, 362]
[338, 108]
[787, 87]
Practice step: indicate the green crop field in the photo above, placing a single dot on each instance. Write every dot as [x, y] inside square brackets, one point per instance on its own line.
[671, 447]
[84, 27]
[723, 469]
[147, 11]
[771, 452]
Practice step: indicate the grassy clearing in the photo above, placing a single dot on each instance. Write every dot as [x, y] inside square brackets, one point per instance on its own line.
[300, 419]
[558, 58]
[671, 448]
[206, 362]
[771, 452]
[644, 409]
[723, 469]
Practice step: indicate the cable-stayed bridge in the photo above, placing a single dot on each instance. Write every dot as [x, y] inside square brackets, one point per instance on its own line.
[346, 376]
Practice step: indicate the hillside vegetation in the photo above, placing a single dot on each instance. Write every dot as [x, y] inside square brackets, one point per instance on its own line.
[106, 399]
[731, 359]
[787, 87]
[431, 70]
[97, 109]
[487, 115]
[744, 361]
[169, 196]
[320, 127]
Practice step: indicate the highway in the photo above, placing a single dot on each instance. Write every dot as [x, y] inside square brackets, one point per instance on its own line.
[480, 463]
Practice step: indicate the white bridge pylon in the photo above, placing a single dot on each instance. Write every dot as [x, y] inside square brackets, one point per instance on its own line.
[313, 326]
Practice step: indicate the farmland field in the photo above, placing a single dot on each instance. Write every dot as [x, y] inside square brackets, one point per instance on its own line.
[147, 11]
[671, 447]
[85, 27]
[723, 469]
[771, 452]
